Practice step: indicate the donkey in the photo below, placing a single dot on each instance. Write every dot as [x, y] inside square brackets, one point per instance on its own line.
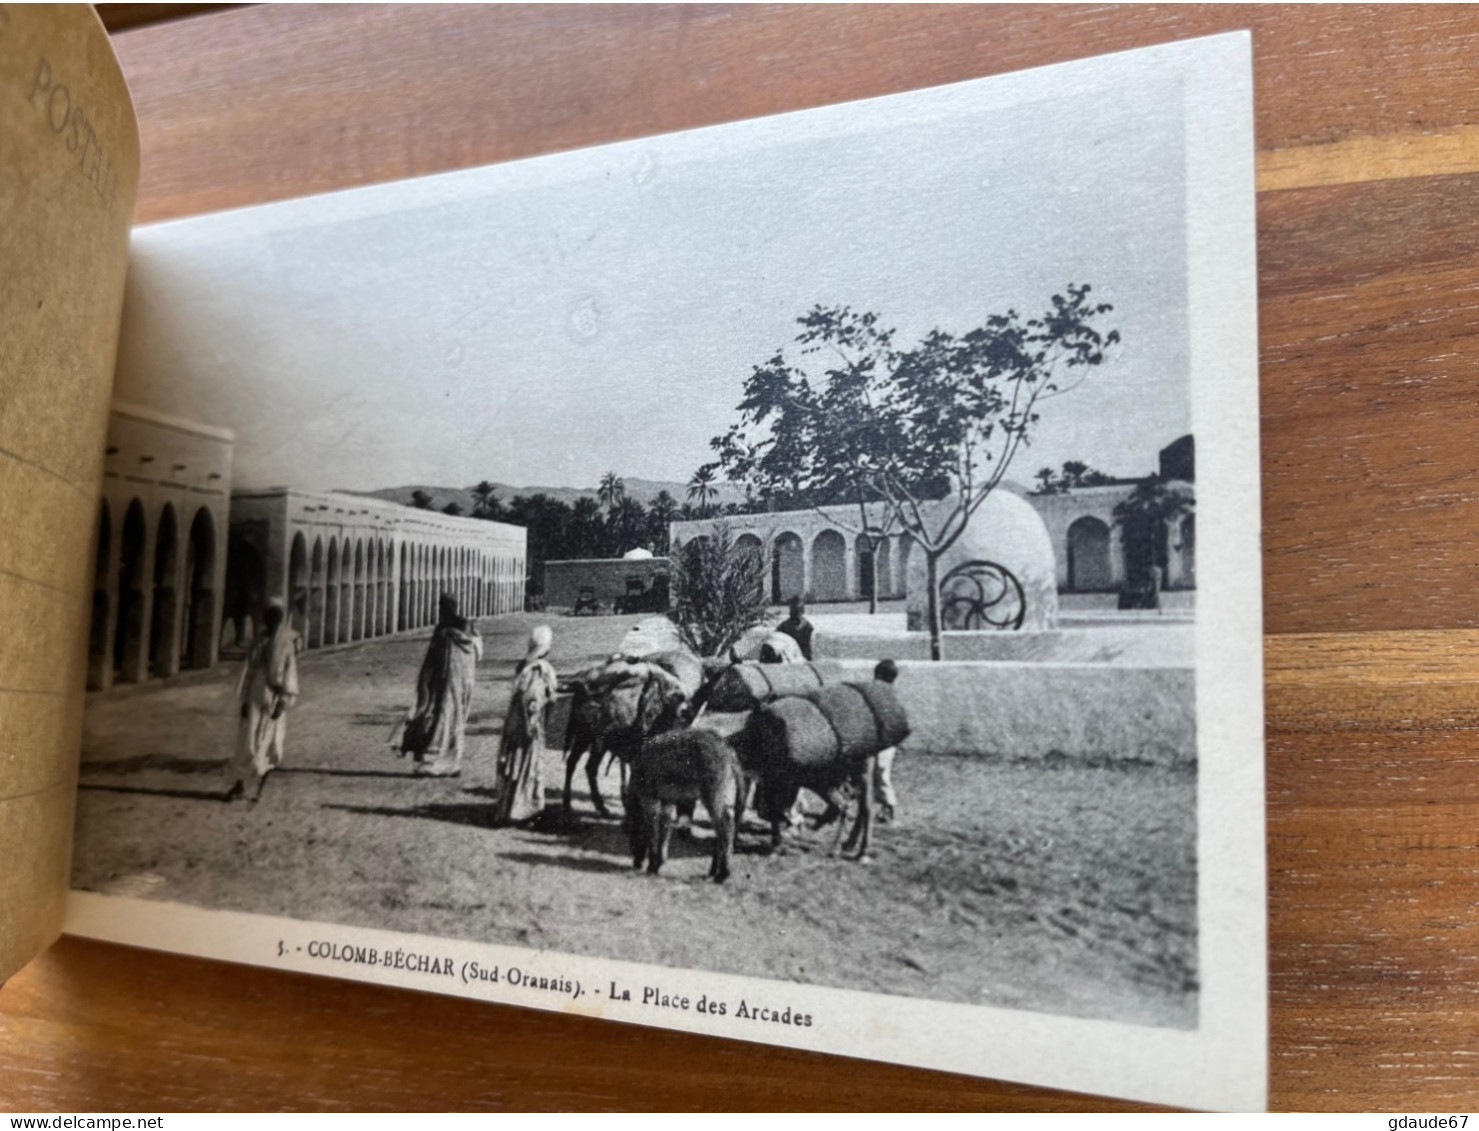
[680, 768]
[615, 707]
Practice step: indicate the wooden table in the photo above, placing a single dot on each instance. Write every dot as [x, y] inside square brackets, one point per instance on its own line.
[1368, 136]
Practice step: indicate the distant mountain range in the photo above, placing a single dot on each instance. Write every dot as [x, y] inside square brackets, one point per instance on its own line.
[643, 490]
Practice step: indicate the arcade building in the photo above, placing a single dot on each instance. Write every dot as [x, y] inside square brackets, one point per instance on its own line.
[816, 554]
[183, 561]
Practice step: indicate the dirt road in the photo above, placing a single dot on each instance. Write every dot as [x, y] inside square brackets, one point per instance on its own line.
[1057, 887]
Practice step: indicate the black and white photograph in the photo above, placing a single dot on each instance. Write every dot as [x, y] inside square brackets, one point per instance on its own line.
[795, 580]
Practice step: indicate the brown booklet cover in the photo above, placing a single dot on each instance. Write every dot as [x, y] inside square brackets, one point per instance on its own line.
[69, 167]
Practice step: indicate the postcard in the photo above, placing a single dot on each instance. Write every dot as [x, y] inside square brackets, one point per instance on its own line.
[795, 580]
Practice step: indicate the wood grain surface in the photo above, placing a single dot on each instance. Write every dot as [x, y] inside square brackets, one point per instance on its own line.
[1368, 135]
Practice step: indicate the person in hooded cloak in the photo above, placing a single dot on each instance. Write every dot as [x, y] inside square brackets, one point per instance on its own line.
[267, 689]
[435, 734]
[518, 791]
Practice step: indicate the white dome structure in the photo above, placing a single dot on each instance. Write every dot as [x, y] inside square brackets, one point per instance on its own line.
[999, 574]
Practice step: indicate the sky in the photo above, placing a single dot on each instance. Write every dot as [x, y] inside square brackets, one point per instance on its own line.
[546, 321]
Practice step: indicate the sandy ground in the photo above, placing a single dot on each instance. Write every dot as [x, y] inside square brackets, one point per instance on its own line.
[1056, 887]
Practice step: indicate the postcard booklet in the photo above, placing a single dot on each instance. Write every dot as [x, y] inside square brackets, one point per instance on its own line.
[795, 581]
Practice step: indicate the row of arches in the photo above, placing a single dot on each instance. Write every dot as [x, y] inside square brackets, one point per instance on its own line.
[355, 588]
[834, 567]
[1098, 563]
[154, 602]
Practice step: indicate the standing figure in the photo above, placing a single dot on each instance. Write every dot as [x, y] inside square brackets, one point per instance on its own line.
[886, 671]
[518, 792]
[267, 689]
[436, 729]
[798, 628]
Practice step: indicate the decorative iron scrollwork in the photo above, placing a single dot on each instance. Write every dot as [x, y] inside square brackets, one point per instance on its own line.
[979, 595]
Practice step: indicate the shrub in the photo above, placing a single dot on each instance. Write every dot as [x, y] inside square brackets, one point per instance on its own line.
[718, 592]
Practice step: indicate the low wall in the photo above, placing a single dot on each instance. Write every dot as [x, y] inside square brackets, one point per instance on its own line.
[1150, 644]
[1088, 712]
[563, 580]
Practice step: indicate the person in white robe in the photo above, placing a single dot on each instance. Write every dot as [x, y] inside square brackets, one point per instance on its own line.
[266, 691]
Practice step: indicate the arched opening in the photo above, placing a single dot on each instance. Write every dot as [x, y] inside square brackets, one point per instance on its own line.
[317, 595]
[246, 589]
[418, 582]
[383, 590]
[164, 652]
[197, 643]
[331, 593]
[346, 592]
[883, 563]
[405, 588]
[382, 587]
[129, 629]
[298, 585]
[1089, 569]
[787, 569]
[408, 586]
[372, 588]
[864, 552]
[829, 567]
[423, 590]
[99, 670]
[357, 611]
[413, 591]
[751, 545]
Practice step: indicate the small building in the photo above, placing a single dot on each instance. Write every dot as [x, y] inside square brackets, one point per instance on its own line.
[606, 581]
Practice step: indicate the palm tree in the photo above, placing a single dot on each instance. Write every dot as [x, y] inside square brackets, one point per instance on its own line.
[487, 504]
[701, 489]
[611, 491]
[1145, 518]
[587, 531]
[627, 524]
[662, 512]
